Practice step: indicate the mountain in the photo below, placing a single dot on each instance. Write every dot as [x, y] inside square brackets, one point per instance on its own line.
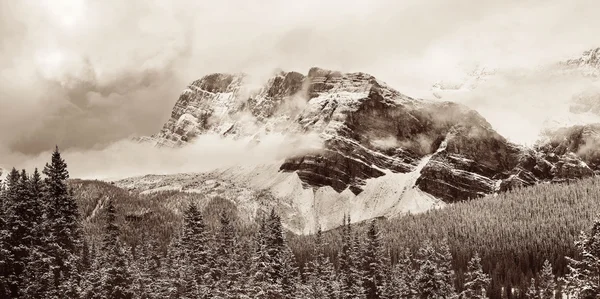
[384, 153]
[588, 63]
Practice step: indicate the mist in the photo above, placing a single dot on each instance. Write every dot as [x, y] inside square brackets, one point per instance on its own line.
[127, 158]
[87, 75]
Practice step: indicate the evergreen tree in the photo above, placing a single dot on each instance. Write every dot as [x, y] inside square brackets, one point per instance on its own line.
[116, 279]
[147, 277]
[263, 285]
[547, 281]
[532, 292]
[64, 240]
[6, 258]
[375, 264]
[350, 272]
[228, 271]
[446, 269]
[477, 282]
[583, 280]
[321, 275]
[195, 245]
[400, 284]
[433, 279]
[16, 231]
[358, 290]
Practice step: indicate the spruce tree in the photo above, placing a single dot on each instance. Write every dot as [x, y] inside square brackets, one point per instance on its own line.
[434, 279]
[583, 279]
[446, 269]
[401, 277]
[358, 290]
[262, 283]
[6, 258]
[532, 292]
[321, 275]
[63, 231]
[195, 244]
[375, 264]
[350, 270]
[547, 281]
[227, 272]
[17, 192]
[476, 281]
[116, 279]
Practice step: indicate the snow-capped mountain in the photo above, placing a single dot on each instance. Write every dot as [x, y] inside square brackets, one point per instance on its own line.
[468, 82]
[588, 63]
[383, 154]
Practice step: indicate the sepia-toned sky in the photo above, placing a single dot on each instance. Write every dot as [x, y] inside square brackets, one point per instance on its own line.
[86, 73]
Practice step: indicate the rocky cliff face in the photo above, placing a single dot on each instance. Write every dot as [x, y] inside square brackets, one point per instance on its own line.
[370, 130]
[588, 62]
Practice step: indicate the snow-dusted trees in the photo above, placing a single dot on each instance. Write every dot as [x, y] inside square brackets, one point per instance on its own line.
[350, 272]
[228, 270]
[583, 280]
[63, 231]
[435, 277]
[532, 291]
[375, 264]
[321, 279]
[274, 273]
[116, 281]
[546, 281]
[189, 258]
[476, 281]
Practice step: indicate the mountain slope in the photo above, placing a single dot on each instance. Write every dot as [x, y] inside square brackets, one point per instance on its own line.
[381, 149]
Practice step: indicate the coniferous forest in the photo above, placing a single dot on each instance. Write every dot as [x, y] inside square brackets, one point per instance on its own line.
[48, 250]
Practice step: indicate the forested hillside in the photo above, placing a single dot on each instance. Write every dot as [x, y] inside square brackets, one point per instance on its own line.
[513, 232]
[89, 239]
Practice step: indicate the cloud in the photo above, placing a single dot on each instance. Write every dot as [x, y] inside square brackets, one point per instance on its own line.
[126, 158]
[84, 74]
[521, 103]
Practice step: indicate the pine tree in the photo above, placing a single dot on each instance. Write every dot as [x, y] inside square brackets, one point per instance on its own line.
[375, 264]
[16, 231]
[228, 271]
[476, 281]
[290, 276]
[583, 279]
[446, 269]
[433, 279]
[39, 277]
[321, 275]
[547, 281]
[6, 258]
[350, 271]
[147, 277]
[532, 292]
[195, 244]
[263, 285]
[357, 272]
[401, 277]
[116, 279]
[63, 230]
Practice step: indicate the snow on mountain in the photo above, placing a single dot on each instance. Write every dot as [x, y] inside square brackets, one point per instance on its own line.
[264, 187]
[383, 153]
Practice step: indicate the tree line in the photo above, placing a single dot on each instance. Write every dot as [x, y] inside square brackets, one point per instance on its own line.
[44, 254]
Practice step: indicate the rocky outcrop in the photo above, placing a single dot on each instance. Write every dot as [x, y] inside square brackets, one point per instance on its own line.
[588, 62]
[370, 130]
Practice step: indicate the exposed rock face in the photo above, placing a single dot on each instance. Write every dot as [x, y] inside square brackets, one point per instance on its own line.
[589, 62]
[370, 130]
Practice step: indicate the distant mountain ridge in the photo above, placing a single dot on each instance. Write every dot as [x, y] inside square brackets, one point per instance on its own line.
[374, 137]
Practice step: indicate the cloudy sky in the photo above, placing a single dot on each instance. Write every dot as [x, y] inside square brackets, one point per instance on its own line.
[86, 73]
